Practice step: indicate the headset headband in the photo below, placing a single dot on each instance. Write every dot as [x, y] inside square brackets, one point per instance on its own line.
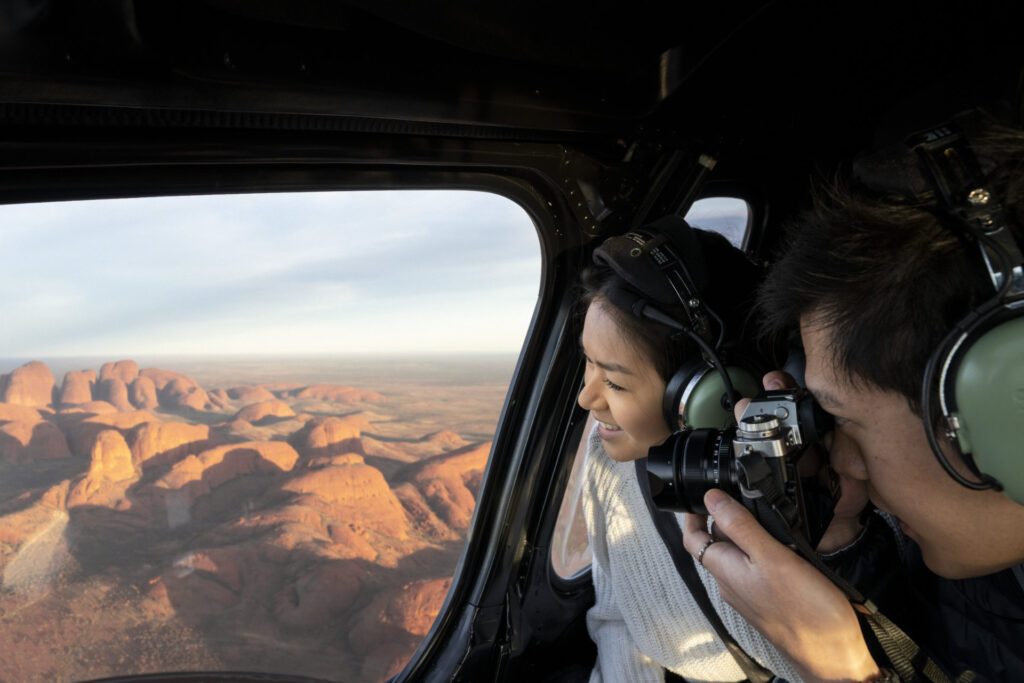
[940, 165]
[961, 186]
[651, 260]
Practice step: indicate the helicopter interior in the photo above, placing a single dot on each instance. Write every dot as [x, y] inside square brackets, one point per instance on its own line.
[594, 118]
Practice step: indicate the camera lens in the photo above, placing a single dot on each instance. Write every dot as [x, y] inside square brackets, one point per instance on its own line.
[689, 464]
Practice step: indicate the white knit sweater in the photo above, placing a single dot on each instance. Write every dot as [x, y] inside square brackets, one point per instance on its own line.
[644, 619]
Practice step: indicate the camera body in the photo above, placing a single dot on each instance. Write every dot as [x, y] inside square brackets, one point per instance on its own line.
[755, 462]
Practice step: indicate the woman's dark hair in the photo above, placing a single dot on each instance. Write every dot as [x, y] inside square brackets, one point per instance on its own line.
[732, 285]
[888, 277]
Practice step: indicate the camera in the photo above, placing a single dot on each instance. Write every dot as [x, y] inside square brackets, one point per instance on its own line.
[755, 462]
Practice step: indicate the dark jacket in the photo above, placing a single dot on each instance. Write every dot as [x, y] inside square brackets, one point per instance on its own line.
[972, 624]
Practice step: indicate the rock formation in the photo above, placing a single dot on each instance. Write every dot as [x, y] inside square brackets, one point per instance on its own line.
[10, 412]
[183, 393]
[349, 458]
[356, 533]
[421, 516]
[415, 449]
[197, 475]
[77, 387]
[447, 483]
[176, 391]
[206, 581]
[114, 391]
[90, 408]
[264, 411]
[26, 441]
[282, 389]
[249, 394]
[81, 430]
[155, 444]
[317, 595]
[142, 394]
[124, 370]
[111, 459]
[220, 400]
[110, 473]
[30, 385]
[161, 378]
[357, 496]
[337, 393]
[326, 436]
[392, 625]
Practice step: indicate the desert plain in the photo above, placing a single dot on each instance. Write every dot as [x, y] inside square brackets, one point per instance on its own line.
[300, 516]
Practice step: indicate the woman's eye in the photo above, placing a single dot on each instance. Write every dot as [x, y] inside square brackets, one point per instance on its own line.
[613, 386]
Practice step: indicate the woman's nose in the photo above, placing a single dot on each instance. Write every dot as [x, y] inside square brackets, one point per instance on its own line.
[589, 397]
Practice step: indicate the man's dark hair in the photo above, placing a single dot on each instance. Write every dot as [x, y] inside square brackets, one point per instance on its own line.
[732, 285]
[890, 279]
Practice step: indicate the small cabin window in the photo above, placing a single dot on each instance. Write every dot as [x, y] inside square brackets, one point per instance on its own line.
[729, 216]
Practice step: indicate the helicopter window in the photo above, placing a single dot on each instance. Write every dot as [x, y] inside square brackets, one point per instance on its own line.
[247, 432]
[729, 216]
[570, 552]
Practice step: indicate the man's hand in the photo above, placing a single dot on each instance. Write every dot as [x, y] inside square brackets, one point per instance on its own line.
[845, 525]
[780, 594]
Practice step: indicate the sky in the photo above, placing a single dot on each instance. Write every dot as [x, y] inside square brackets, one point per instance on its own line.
[385, 272]
[273, 274]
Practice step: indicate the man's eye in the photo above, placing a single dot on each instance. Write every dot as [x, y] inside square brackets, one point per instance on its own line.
[613, 386]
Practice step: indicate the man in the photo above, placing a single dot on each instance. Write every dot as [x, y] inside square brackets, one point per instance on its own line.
[873, 285]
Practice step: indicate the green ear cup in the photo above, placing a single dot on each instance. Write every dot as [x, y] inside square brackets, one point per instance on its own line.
[702, 404]
[990, 405]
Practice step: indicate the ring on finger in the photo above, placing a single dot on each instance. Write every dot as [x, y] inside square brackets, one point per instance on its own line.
[703, 549]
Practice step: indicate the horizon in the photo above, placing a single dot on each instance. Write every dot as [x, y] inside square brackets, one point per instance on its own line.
[356, 369]
[256, 355]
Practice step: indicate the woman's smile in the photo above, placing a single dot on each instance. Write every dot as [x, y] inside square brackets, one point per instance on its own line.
[607, 430]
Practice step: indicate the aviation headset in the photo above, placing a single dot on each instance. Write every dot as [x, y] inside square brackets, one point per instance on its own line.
[976, 374]
[664, 264]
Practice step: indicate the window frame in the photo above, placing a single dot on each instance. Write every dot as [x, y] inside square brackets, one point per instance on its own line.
[574, 187]
[486, 552]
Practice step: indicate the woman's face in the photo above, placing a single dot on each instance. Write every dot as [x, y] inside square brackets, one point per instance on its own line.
[621, 389]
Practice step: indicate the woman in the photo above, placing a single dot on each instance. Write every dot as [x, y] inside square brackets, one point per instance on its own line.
[644, 620]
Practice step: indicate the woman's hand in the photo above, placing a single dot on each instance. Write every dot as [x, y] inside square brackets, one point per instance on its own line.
[780, 594]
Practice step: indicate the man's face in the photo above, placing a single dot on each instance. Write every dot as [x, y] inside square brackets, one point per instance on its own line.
[879, 440]
[622, 389]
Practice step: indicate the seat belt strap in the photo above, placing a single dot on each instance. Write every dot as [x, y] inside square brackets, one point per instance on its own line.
[672, 536]
[912, 664]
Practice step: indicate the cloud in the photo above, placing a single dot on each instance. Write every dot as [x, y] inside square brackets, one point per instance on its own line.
[283, 273]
